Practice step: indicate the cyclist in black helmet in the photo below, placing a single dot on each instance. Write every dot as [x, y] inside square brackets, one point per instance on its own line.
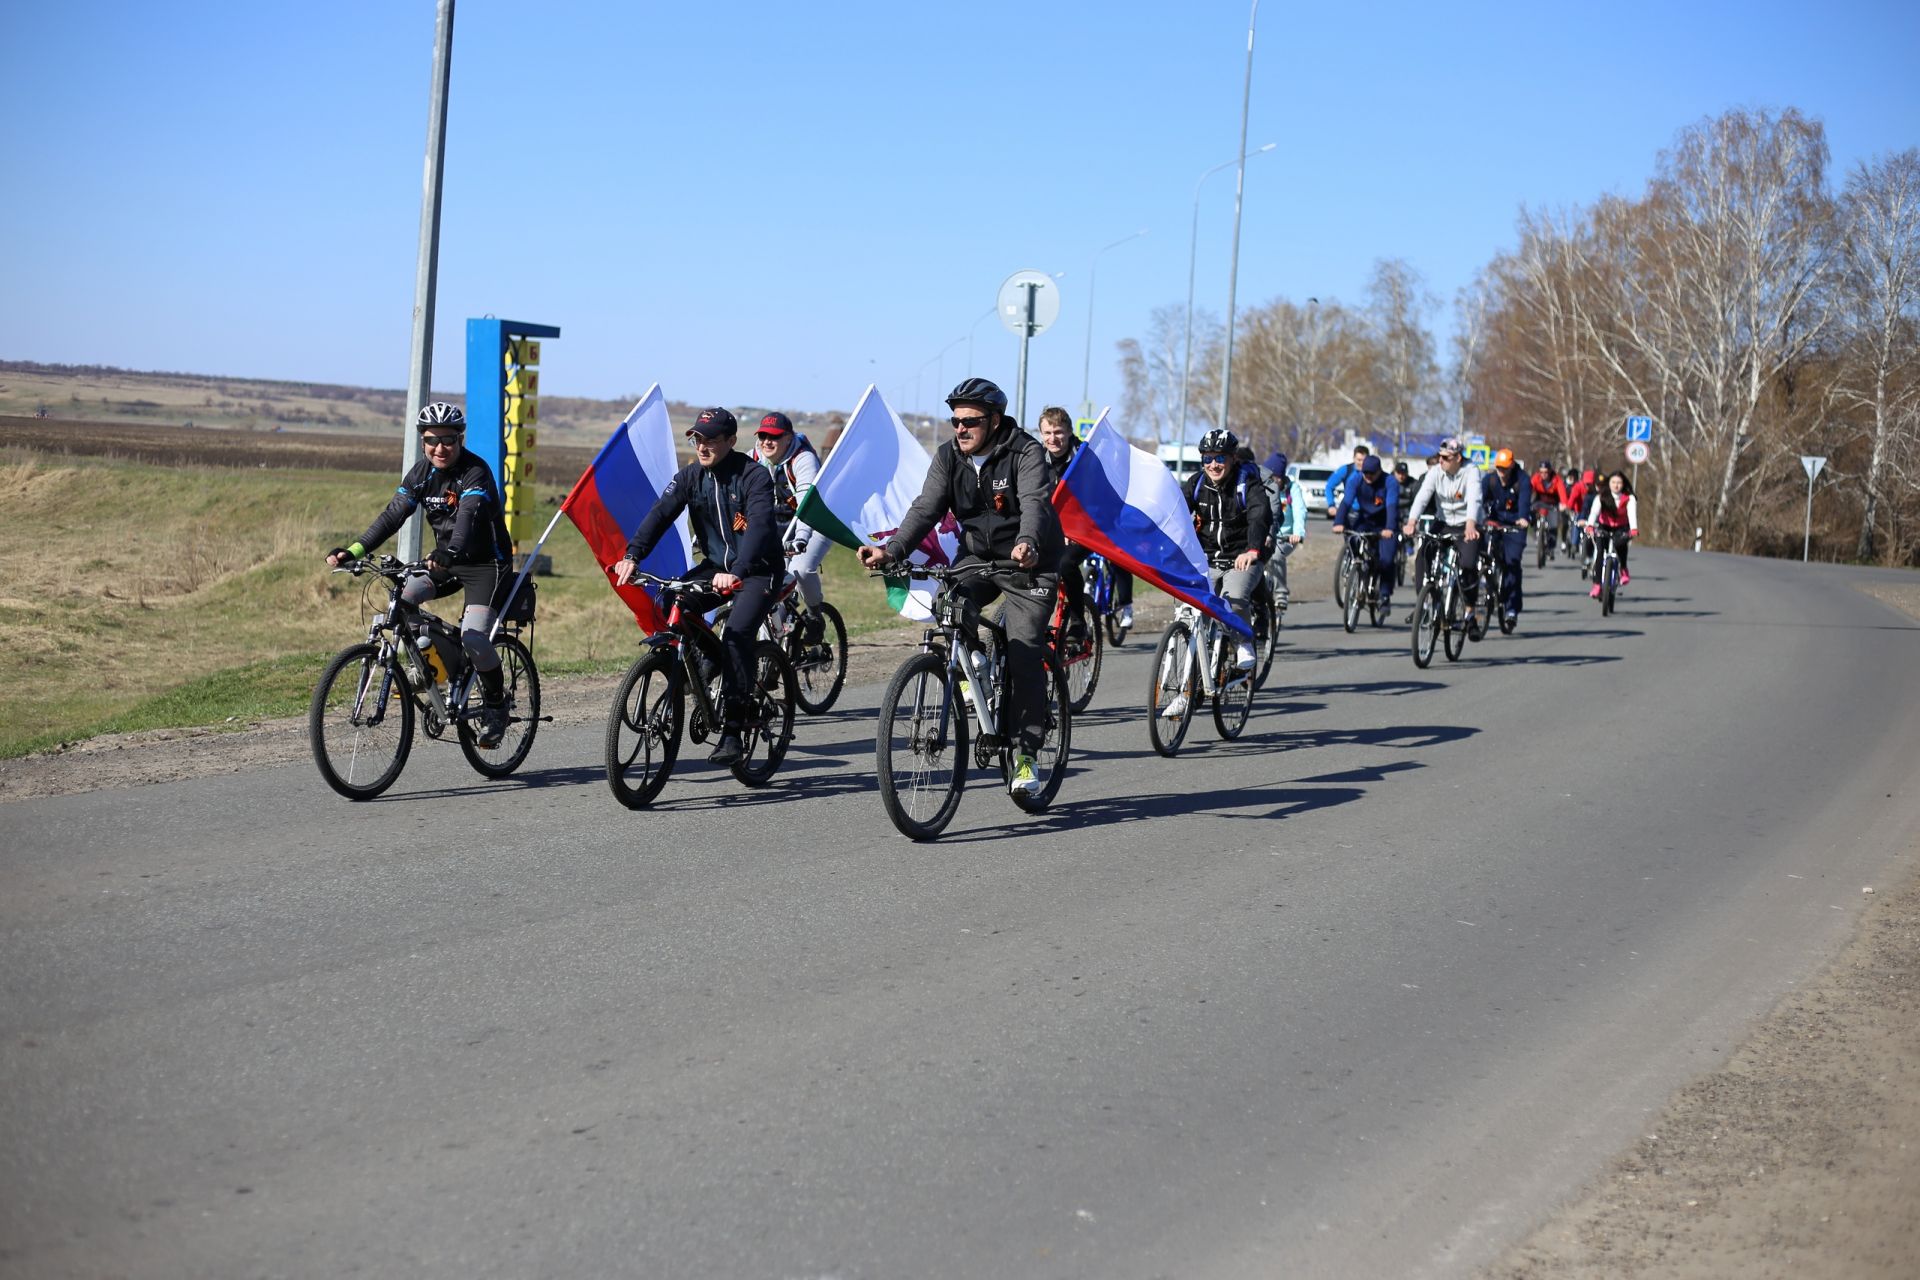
[1231, 514]
[993, 477]
[471, 553]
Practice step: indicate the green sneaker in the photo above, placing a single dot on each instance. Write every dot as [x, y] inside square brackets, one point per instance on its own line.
[1025, 782]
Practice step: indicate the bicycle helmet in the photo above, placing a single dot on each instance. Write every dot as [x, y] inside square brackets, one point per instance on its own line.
[440, 414]
[981, 392]
[1503, 459]
[1219, 440]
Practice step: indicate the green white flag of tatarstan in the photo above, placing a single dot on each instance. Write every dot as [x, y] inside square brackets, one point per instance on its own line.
[863, 491]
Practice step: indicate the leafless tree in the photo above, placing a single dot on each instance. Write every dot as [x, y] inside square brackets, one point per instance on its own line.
[1877, 293]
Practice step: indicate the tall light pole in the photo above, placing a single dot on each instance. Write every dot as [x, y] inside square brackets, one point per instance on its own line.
[941, 371]
[1239, 192]
[984, 315]
[1086, 365]
[427, 268]
[1193, 247]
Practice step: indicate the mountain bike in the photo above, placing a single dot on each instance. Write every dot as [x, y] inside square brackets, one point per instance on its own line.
[1362, 556]
[1440, 616]
[412, 665]
[1607, 564]
[1195, 661]
[940, 695]
[1076, 654]
[682, 665]
[819, 669]
[1493, 580]
[1100, 575]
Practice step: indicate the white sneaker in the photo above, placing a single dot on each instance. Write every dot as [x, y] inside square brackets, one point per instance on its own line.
[1243, 656]
[1126, 615]
[1175, 709]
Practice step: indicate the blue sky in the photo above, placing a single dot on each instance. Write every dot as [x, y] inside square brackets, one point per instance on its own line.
[762, 203]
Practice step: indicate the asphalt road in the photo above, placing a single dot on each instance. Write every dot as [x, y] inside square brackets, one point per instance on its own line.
[1363, 993]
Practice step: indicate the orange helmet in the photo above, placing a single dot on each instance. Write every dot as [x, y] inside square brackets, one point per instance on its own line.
[1503, 459]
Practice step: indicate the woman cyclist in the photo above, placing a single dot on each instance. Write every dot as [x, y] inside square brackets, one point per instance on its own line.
[1615, 510]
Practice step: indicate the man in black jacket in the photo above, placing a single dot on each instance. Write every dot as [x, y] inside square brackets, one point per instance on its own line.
[993, 477]
[1231, 515]
[729, 499]
[471, 550]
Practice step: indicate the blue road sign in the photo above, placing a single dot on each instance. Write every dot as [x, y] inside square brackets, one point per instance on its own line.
[1640, 428]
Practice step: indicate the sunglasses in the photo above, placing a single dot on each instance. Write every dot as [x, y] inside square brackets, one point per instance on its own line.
[1209, 458]
[962, 424]
[439, 442]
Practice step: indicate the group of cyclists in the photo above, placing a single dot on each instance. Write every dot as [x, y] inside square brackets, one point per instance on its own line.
[995, 481]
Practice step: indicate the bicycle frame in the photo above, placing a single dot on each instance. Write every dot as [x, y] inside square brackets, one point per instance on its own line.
[1208, 638]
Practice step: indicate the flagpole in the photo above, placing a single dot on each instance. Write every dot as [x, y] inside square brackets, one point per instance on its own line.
[527, 569]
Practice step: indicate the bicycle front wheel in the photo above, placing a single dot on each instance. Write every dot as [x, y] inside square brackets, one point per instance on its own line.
[360, 723]
[818, 677]
[920, 747]
[1171, 696]
[1350, 613]
[1340, 577]
[643, 732]
[1082, 659]
[1233, 693]
[1427, 622]
[1050, 761]
[521, 683]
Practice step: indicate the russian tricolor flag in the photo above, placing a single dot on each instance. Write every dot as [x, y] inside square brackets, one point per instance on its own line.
[1123, 503]
[615, 493]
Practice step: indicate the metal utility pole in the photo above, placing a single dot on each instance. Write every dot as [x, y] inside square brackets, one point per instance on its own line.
[420, 375]
[1239, 192]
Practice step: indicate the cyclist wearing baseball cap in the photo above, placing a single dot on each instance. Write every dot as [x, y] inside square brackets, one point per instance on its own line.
[1453, 489]
[790, 459]
[729, 500]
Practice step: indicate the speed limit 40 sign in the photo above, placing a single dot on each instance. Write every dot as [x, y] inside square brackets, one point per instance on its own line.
[1636, 451]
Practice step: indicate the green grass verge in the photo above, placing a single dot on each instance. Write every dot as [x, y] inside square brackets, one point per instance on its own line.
[208, 603]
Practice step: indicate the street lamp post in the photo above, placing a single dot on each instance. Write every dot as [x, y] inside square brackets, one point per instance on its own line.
[1239, 192]
[427, 268]
[984, 315]
[1193, 247]
[1086, 365]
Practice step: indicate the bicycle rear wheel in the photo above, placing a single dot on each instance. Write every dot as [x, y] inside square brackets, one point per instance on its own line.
[521, 683]
[767, 726]
[1173, 686]
[818, 677]
[920, 747]
[360, 723]
[1266, 636]
[1050, 761]
[1082, 659]
[1426, 627]
[643, 731]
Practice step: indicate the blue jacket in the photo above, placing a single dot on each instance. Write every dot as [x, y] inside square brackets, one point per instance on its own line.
[1368, 508]
[1341, 475]
[1505, 503]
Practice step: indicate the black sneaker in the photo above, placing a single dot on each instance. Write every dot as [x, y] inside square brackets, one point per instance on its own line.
[727, 750]
[491, 726]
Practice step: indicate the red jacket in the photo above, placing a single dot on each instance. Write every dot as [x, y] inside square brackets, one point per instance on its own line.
[1577, 495]
[1550, 493]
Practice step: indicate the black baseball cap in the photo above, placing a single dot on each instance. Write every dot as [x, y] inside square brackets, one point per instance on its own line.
[775, 424]
[713, 423]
